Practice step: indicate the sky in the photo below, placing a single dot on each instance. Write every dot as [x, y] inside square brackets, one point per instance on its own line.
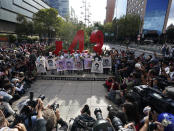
[97, 9]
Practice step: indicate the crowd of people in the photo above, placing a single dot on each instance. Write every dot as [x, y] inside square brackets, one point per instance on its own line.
[140, 90]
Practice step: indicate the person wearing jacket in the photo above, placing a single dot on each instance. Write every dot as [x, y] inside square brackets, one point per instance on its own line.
[83, 121]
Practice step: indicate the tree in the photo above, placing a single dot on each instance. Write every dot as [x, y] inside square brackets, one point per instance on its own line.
[128, 27]
[24, 27]
[12, 38]
[108, 31]
[47, 22]
[22, 24]
[170, 33]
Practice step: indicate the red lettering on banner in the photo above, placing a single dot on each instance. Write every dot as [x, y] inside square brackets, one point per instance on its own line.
[98, 38]
[79, 37]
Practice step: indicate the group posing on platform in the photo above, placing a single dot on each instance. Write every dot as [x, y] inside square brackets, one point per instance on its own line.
[88, 62]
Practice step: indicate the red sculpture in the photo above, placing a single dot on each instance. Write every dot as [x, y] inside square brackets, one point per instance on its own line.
[58, 47]
[98, 38]
[79, 37]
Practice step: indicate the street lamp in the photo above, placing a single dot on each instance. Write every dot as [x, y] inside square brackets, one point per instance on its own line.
[86, 12]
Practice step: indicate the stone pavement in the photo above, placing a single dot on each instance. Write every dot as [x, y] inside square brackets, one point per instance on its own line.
[71, 95]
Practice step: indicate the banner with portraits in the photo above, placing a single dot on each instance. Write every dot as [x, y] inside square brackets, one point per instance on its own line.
[87, 63]
[41, 64]
[51, 64]
[69, 64]
[73, 64]
[78, 65]
[60, 64]
[107, 63]
[97, 67]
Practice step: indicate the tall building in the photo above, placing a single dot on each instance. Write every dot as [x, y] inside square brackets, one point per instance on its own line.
[61, 5]
[120, 8]
[171, 15]
[154, 13]
[110, 10]
[9, 9]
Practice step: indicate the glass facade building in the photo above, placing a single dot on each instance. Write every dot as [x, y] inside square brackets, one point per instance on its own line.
[120, 8]
[9, 9]
[155, 15]
[61, 5]
[171, 15]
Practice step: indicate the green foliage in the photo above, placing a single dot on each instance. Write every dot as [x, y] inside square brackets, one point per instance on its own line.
[47, 22]
[170, 33]
[24, 27]
[127, 27]
[49, 49]
[12, 38]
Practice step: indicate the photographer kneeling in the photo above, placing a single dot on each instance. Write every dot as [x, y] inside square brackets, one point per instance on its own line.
[83, 121]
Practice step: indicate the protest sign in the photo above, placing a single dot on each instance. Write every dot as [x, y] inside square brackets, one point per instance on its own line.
[107, 62]
[60, 65]
[51, 64]
[97, 67]
[87, 63]
[41, 64]
[69, 63]
[78, 65]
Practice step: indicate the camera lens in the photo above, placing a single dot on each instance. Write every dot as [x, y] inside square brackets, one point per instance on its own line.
[109, 108]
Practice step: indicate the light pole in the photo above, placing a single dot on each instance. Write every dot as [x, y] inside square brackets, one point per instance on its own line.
[86, 12]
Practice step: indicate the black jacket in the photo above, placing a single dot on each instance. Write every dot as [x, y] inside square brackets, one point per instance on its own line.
[84, 122]
[40, 125]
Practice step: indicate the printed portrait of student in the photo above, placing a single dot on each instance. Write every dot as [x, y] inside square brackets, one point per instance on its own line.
[69, 67]
[106, 63]
[97, 69]
[50, 62]
[78, 66]
[61, 68]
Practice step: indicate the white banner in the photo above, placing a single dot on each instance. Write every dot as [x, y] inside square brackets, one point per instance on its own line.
[107, 63]
[87, 63]
[41, 64]
[69, 63]
[60, 64]
[78, 65]
[51, 64]
[97, 67]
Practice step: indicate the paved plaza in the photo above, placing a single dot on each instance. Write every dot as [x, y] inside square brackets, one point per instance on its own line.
[71, 95]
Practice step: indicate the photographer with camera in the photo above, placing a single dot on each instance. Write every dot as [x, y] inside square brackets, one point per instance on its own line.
[46, 119]
[84, 121]
[150, 121]
[4, 125]
[119, 120]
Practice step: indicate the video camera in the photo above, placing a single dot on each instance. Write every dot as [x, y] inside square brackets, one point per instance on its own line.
[117, 123]
[27, 107]
[101, 124]
[154, 98]
[54, 106]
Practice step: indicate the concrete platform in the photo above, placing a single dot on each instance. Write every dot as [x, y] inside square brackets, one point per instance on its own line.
[71, 95]
[75, 77]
